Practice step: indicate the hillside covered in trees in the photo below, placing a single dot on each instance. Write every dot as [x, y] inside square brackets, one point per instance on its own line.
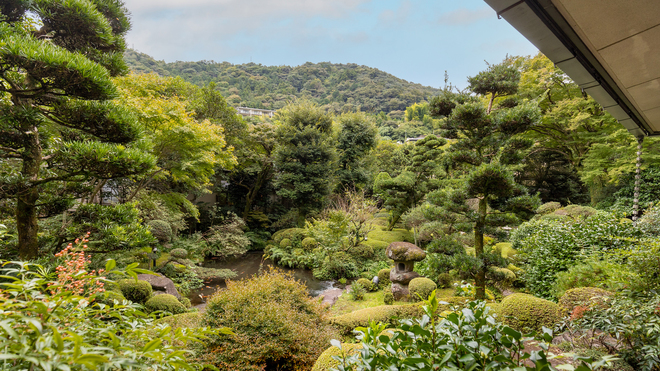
[337, 86]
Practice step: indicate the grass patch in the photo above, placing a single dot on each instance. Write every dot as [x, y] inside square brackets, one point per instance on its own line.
[345, 305]
[395, 235]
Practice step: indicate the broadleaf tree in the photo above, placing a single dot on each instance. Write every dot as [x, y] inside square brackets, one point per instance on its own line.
[58, 125]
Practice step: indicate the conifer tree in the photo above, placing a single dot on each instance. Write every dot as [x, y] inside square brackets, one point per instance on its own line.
[57, 124]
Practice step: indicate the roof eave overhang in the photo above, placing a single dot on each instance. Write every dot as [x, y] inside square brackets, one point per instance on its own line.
[545, 27]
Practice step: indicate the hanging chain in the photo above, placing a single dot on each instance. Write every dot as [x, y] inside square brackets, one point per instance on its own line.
[638, 178]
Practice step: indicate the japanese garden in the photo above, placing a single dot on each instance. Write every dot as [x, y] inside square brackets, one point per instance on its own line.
[358, 222]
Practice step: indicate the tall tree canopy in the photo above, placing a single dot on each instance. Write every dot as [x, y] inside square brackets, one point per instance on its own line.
[486, 148]
[58, 125]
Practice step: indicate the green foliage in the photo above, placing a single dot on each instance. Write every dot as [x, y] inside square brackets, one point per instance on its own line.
[356, 138]
[304, 156]
[166, 303]
[367, 284]
[650, 221]
[358, 290]
[525, 312]
[228, 239]
[309, 243]
[589, 297]
[136, 291]
[114, 227]
[346, 323]
[161, 230]
[327, 360]
[341, 87]
[420, 288]
[51, 328]
[548, 247]
[604, 274]
[336, 265]
[384, 276]
[462, 340]
[388, 296]
[179, 253]
[445, 280]
[275, 321]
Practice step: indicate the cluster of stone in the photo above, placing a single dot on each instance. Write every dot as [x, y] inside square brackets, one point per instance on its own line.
[404, 255]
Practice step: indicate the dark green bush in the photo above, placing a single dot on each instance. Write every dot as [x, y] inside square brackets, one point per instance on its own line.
[362, 251]
[165, 302]
[227, 240]
[161, 230]
[337, 265]
[445, 280]
[420, 288]
[135, 291]
[525, 312]
[277, 325]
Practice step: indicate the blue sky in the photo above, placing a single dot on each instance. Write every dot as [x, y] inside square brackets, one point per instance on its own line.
[416, 40]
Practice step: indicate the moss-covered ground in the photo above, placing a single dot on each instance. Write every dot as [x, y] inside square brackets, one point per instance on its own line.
[372, 299]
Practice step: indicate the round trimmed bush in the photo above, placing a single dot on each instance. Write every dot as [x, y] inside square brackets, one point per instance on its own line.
[367, 284]
[285, 243]
[583, 296]
[179, 253]
[161, 230]
[309, 243]
[325, 361]
[420, 288]
[445, 280]
[363, 251]
[525, 312]
[384, 276]
[186, 302]
[388, 297]
[165, 302]
[136, 291]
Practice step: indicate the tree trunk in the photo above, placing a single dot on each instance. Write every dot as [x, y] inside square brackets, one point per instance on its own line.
[264, 175]
[26, 200]
[480, 279]
[490, 103]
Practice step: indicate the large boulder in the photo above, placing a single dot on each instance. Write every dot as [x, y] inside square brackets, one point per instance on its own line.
[160, 283]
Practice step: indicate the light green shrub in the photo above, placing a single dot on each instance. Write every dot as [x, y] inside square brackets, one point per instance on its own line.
[285, 243]
[182, 320]
[583, 296]
[161, 230]
[325, 362]
[525, 312]
[309, 243]
[384, 276]
[388, 297]
[179, 253]
[420, 288]
[362, 251]
[366, 283]
[135, 291]
[165, 302]
[445, 280]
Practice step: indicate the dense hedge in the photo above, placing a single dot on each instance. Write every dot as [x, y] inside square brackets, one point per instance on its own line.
[420, 288]
[165, 302]
[135, 291]
[276, 324]
[525, 312]
[326, 362]
[583, 296]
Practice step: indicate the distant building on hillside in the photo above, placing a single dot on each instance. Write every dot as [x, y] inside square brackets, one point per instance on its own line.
[415, 139]
[248, 112]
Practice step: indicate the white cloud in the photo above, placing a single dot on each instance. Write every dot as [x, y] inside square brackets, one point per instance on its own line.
[465, 16]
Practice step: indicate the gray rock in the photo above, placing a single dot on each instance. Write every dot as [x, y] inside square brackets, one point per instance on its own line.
[160, 283]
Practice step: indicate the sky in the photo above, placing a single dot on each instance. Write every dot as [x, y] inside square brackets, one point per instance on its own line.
[416, 40]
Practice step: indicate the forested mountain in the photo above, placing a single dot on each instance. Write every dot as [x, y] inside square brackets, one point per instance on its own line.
[332, 85]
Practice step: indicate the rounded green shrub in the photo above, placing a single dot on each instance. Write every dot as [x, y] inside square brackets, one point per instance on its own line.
[388, 297]
[179, 253]
[165, 302]
[363, 251]
[309, 243]
[136, 291]
[384, 313]
[421, 287]
[525, 312]
[325, 361]
[285, 243]
[186, 302]
[276, 325]
[445, 280]
[183, 320]
[384, 276]
[367, 284]
[583, 296]
[161, 230]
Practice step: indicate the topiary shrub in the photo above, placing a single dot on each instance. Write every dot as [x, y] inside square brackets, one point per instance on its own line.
[137, 291]
[276, 325]
[525, 312]
[161, 230]
[326, 362]
[165, 302]
[420, 288]
[583, 296]
[179, 253]
[309, 243]
[367, 284]
[363, 251]
[388, 297]
[384, 276]
[186, 302]
[285, 243]
[548, 207]
[445, 280]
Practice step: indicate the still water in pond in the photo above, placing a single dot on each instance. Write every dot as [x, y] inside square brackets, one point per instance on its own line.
[248, 265]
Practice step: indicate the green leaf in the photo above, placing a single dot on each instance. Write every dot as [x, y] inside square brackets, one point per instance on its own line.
[91, 360]
[110, 265]
[152, 345]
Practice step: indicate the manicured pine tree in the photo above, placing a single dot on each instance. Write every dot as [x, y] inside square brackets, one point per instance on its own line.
[57, 124]
[487, 150]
